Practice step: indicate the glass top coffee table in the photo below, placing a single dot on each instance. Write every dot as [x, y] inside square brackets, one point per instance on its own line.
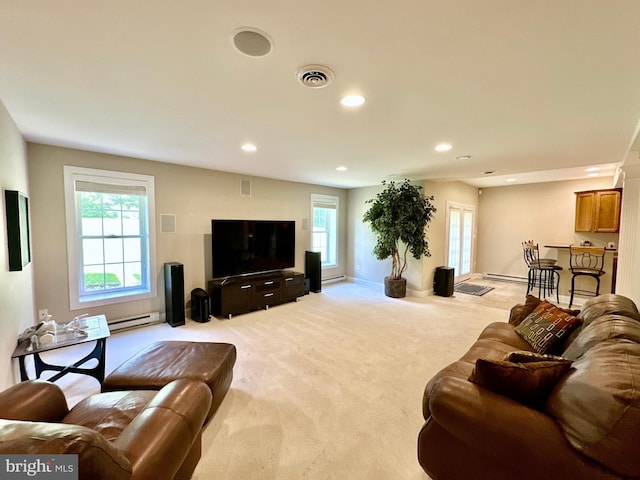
[87, 329]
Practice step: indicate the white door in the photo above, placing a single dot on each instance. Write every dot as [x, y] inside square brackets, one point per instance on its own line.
[460, 239]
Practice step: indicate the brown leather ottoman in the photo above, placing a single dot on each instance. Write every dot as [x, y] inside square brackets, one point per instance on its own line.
[162, 362]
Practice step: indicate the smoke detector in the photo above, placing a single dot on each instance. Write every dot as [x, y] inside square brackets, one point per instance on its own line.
[314, 76]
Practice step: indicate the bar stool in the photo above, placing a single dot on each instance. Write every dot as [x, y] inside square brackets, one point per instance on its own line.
[543, 272]
[588, 262]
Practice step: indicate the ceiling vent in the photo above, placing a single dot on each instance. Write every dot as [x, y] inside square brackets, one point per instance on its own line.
[314, 76]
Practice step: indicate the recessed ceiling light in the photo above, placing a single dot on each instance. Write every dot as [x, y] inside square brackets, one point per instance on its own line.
[511, 180]
[341, 169]
[249, 147]
[443, 147]
[352, 101]
[463, 157]
[593, 174]
[593, 169]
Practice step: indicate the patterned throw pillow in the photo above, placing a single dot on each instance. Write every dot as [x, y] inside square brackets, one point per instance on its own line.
[523, 356]
[529, 382]
[522, 310]
[546, 326]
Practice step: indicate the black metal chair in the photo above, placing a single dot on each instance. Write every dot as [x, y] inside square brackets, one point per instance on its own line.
[587, 262]
[543, 272]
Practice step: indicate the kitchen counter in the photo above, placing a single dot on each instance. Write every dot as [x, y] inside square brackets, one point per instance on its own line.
[566, 246]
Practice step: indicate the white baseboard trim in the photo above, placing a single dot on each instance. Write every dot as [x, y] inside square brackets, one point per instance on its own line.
[410, 292]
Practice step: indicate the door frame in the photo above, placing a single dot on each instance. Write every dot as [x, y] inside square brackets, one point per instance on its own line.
[472, 208]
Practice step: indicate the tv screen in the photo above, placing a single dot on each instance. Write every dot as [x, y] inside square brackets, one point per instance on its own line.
[241, 247]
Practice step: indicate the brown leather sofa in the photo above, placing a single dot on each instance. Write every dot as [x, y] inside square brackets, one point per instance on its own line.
[139, 434]
[586, 429]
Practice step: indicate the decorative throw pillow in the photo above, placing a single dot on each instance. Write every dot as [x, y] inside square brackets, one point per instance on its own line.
[546, 326]
[524, 356]
[529, 383]
[520, 311]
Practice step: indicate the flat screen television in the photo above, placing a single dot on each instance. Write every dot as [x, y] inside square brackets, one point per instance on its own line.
[243, 247]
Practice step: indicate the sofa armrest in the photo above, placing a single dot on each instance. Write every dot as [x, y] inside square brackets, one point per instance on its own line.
[97, 458]
[35, 400]
[158, 440]
[500, 428]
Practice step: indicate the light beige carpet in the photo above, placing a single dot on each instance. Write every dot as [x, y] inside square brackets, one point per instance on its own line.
[329, 387]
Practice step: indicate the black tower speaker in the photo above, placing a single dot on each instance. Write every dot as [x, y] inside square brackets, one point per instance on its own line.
[174, 293]
[313, 270]
[443, 281]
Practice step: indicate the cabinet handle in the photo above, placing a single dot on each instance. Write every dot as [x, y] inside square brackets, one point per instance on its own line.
[288, 279]
[269, 283]
[245, 286]
[268, 295]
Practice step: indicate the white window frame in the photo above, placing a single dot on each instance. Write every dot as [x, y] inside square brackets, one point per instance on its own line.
[71, 176]
[319, 200]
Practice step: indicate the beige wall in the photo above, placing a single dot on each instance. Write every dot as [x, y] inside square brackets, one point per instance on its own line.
[542, 212]
[505, 216]
[16, 288]
[194, 195]
[444, 192]
[364, 266]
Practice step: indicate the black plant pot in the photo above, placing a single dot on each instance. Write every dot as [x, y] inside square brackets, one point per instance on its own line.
[395, 288]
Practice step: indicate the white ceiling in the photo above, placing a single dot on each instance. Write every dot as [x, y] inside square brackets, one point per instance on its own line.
[534, 90]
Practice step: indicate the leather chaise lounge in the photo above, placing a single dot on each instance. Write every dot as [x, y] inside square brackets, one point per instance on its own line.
[140, 434]
[584, 427]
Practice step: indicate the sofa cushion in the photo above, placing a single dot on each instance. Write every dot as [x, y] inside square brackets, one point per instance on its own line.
[528, 382]
[496, 340]
[109, 413]
[597, 404]
[522, 310]
[607, 304]
[546, 326]
[97, 458]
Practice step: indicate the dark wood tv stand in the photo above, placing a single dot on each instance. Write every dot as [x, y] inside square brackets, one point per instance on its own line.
[234, 295]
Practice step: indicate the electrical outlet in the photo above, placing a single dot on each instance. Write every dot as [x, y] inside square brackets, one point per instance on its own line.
[42, 314]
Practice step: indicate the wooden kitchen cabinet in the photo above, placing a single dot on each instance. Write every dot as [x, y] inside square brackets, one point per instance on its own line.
[598, 211]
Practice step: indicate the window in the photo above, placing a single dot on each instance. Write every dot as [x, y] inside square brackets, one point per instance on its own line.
[325, 228]
[110, 236]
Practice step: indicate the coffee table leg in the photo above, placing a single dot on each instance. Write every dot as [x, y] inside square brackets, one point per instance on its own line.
[98, 352]
[23, 369]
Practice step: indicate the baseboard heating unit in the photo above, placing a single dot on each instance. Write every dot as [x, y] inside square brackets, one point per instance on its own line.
[504, 278]
[340, 278]
[134, 321]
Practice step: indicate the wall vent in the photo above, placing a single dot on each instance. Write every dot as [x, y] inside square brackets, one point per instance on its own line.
[168, 223]
[245, 188]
